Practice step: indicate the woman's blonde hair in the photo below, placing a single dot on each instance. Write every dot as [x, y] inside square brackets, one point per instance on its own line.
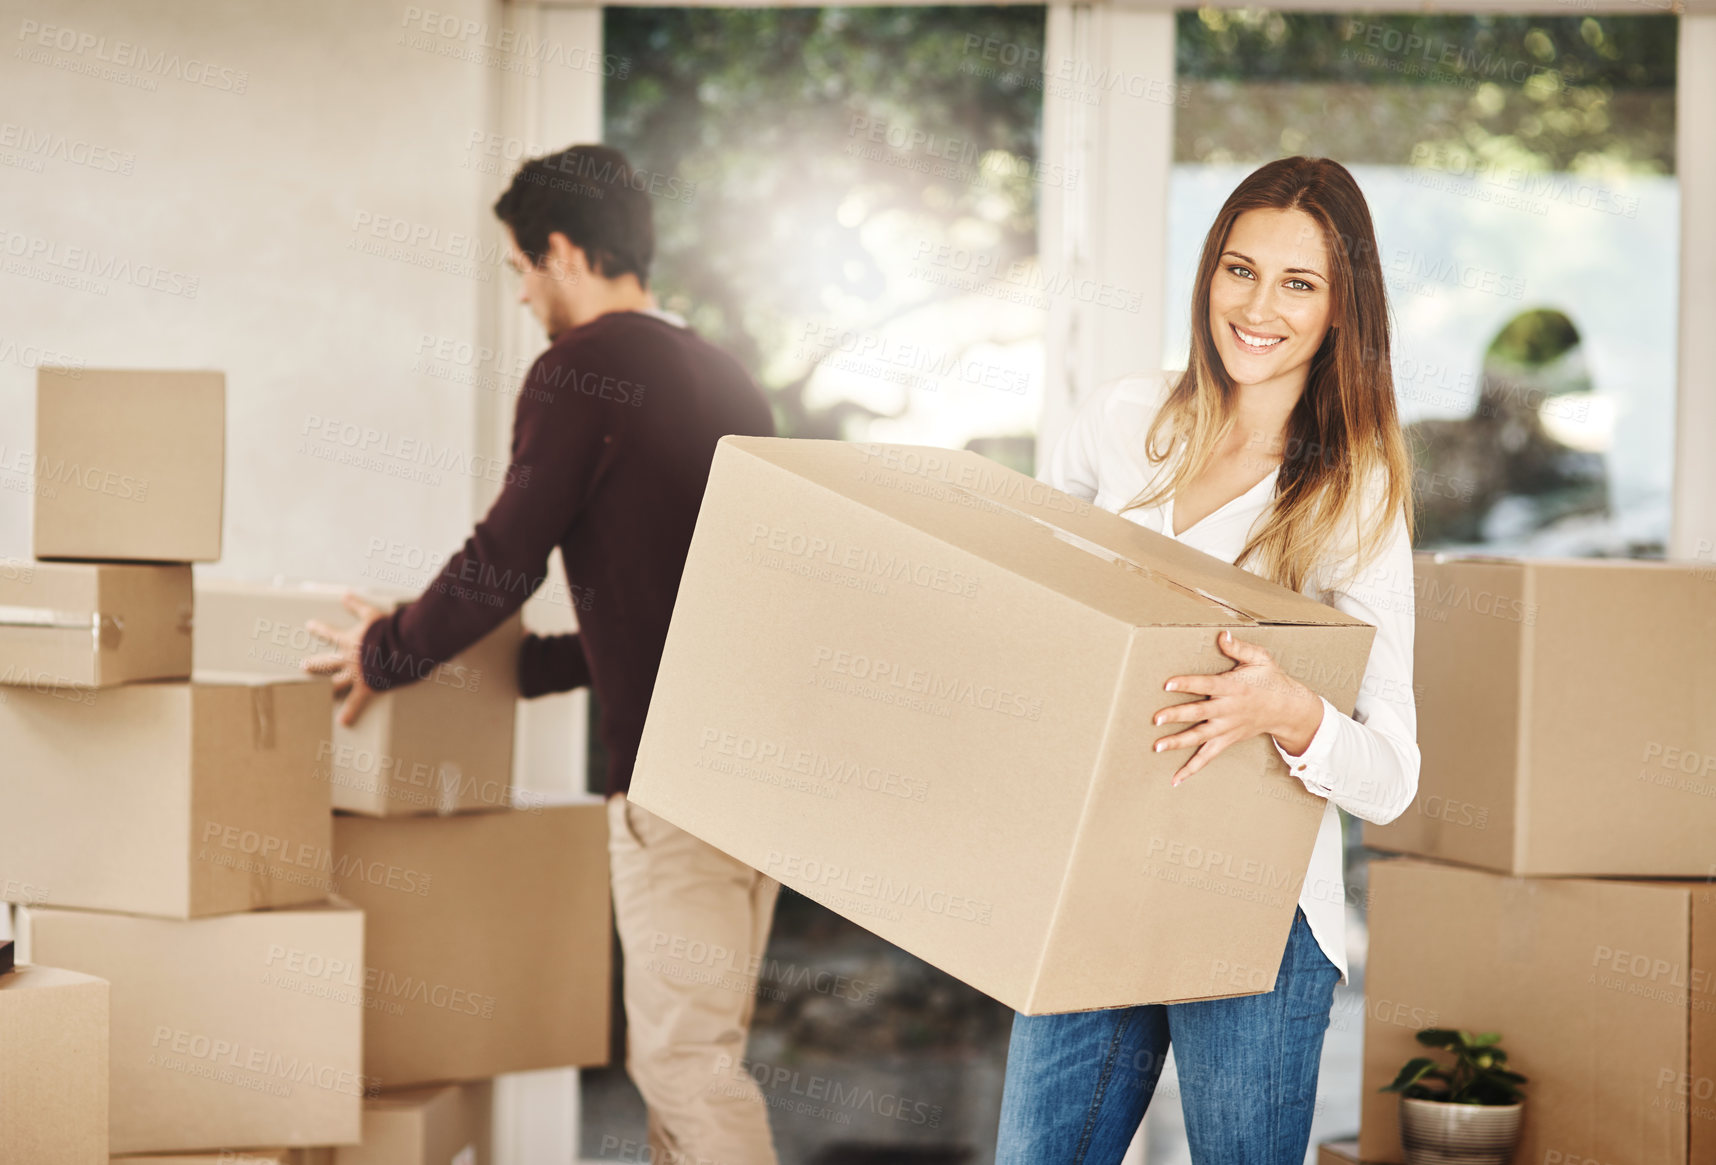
[1345, 472]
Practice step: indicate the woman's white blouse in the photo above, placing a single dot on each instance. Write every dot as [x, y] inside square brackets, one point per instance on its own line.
[1366, 763]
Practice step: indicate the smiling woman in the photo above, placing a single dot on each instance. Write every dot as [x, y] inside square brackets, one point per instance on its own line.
[1289, 375]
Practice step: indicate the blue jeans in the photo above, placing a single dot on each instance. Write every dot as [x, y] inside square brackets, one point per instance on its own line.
[1078, 1083]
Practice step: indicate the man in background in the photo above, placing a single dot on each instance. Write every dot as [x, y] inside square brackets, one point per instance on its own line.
[615, 429]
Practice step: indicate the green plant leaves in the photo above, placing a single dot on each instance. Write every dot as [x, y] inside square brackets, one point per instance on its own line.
[1477, 1077]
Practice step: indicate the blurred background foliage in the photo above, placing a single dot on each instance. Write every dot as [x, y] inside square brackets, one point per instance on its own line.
[1592, 95]
[767, 111]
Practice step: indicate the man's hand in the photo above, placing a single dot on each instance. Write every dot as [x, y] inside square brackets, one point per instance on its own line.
[1253, 699]
[345, 662]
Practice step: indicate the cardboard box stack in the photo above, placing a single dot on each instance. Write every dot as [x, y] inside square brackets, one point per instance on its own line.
[486, 913]
[162, 833]
[933, 716]
[1561, 889]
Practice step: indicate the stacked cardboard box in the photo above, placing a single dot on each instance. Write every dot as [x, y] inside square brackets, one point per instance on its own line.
[486, 913]
[448, 1125]
[1567, 719]
[934, 717]
[53, 1067]
[167, 824]
[441, 745]
[159, 828]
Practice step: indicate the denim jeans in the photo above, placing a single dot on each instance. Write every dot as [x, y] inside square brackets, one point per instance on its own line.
[1078, 1084]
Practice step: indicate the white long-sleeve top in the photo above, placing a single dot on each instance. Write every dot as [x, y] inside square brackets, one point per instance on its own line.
[1366, 763]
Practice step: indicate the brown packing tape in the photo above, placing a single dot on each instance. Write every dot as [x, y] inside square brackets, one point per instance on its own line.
[1125, 563]
[262, 716]
[1516, 921]
[1110, 556]
[109, 630]
[448, 777]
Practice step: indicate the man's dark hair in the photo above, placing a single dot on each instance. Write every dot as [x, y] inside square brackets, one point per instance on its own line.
[591, 195]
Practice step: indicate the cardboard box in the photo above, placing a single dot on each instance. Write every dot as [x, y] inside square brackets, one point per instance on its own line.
[321, 1156]
[488, 941]
[171, 799]
[449, 1125]
[129, 466]
[226, 1032]
[1567, 717]
[1338, 1152]
[93, 625]
[441, 745]
[917, 687]
[53, 1067]
[1604, 993]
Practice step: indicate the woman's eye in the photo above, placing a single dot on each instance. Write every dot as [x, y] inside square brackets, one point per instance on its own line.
[1300, 285]
[1242, 272]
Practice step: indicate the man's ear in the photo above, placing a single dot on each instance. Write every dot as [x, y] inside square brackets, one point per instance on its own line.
[566, 257]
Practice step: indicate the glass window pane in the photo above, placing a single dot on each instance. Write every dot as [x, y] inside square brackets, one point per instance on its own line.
[1520, 171]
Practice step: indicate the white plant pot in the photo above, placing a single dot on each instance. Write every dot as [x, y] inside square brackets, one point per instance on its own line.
[1434, 1132]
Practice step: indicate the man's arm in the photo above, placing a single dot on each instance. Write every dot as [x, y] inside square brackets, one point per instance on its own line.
[551, 663]
[560, 448]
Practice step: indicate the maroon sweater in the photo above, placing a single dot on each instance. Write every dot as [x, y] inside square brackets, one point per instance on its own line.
[615, 430]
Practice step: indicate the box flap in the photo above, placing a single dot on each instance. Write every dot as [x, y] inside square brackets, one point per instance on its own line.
[1023, 526]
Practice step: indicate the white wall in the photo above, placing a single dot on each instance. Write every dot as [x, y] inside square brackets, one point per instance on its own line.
[258, 188]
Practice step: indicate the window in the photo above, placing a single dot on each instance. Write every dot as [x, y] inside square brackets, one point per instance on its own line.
[1520, 171]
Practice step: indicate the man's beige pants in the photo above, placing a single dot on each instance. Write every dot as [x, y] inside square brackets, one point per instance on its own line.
[693, 926]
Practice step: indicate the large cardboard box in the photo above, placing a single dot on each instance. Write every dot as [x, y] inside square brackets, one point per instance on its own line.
[53, 1067]
[93, 625]
[488, 941]
[1567, 717]
[171, 799]
[1604, 993]
[917, 687]
[441, 745]
[129, 466]
[447, 1125]
[227, 1032]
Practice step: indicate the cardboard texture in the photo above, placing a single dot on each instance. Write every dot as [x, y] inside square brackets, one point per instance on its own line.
[241, 1030]
[916, 686]
[320, 1156]
[173, 799]
[1604, 993]
[441, 745]
[1566, 717]
[488, 941]
[129, 466]
[53, 1067]
[448, 1125]
[1338, 1152]
[93, 625]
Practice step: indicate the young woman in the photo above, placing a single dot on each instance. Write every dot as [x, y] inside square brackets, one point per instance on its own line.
[1278, 449]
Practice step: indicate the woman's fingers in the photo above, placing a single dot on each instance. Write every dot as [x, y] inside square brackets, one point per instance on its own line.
[1190, 738]
[1207, 752]
[1234, 647]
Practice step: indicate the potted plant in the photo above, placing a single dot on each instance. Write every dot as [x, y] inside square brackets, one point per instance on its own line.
[1468, 1113]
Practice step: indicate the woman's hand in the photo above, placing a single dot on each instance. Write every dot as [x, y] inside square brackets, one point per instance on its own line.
[345, 662]
[1254, 699]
